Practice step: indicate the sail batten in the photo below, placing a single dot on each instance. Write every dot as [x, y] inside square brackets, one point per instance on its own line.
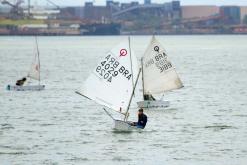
[159, 75]
[111, 82]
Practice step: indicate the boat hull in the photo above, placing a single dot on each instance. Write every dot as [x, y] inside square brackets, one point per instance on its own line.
[153, 104]
[26, 88]
[122, 126]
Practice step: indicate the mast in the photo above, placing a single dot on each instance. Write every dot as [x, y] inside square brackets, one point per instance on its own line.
[133, 85]
[133, 92]
[131, 62]
[38, 56]
[142, 78]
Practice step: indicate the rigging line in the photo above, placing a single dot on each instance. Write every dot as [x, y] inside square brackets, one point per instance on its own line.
[108, 113]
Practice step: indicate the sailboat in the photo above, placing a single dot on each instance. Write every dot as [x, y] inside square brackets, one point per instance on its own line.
[158, 76]
[34, 74]
[113, 82]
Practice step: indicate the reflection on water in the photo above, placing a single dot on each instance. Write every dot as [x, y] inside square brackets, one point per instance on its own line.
[205, 124]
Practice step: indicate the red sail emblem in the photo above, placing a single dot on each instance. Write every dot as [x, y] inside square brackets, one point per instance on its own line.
[123, 52]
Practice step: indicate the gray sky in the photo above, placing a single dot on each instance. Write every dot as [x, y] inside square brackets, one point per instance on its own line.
[183, 2]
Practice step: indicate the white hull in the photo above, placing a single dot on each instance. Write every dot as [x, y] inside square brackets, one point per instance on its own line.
[25, 88]
[153, 104]
[123, 126]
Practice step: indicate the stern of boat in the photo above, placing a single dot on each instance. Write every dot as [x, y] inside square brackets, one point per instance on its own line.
[153, 104]
[122, 126]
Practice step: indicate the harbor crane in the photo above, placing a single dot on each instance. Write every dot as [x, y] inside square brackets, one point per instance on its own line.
[16, 11]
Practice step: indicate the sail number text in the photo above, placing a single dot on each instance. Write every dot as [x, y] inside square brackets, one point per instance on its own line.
[160, 61]
[110, 68]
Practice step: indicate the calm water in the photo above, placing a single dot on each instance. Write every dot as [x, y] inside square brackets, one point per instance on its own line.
[205, 124]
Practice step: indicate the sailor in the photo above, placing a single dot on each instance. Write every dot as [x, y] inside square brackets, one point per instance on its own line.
[142, 119]
[149, 97]
[21, 82]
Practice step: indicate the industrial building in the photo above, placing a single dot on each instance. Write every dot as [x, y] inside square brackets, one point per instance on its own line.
[231, 14]
[120, 18]
[115, 10]
[189, 12]
[243, 10]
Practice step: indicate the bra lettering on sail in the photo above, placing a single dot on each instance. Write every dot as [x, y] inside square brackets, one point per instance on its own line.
[159, 75]
[111, 84]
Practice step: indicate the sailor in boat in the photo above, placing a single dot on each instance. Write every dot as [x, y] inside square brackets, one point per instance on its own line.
[21, 82]
[142, 120]
[148, 97]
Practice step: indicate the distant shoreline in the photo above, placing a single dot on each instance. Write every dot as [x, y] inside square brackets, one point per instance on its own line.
[196, 34]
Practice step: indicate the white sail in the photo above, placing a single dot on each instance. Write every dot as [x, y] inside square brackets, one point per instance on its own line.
[159, 75]
[112, 80]
[34, 71]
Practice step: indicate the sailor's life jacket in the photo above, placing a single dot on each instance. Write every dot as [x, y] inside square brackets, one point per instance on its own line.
[20, 82]
[142, 120]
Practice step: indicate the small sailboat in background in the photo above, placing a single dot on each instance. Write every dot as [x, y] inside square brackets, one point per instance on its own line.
[158, 76]
[34, 73]
[113, 82]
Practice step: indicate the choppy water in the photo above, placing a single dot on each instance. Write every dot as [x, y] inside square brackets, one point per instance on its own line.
[206, 123]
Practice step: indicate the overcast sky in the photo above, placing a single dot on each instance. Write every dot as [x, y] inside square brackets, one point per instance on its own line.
[183, 2]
